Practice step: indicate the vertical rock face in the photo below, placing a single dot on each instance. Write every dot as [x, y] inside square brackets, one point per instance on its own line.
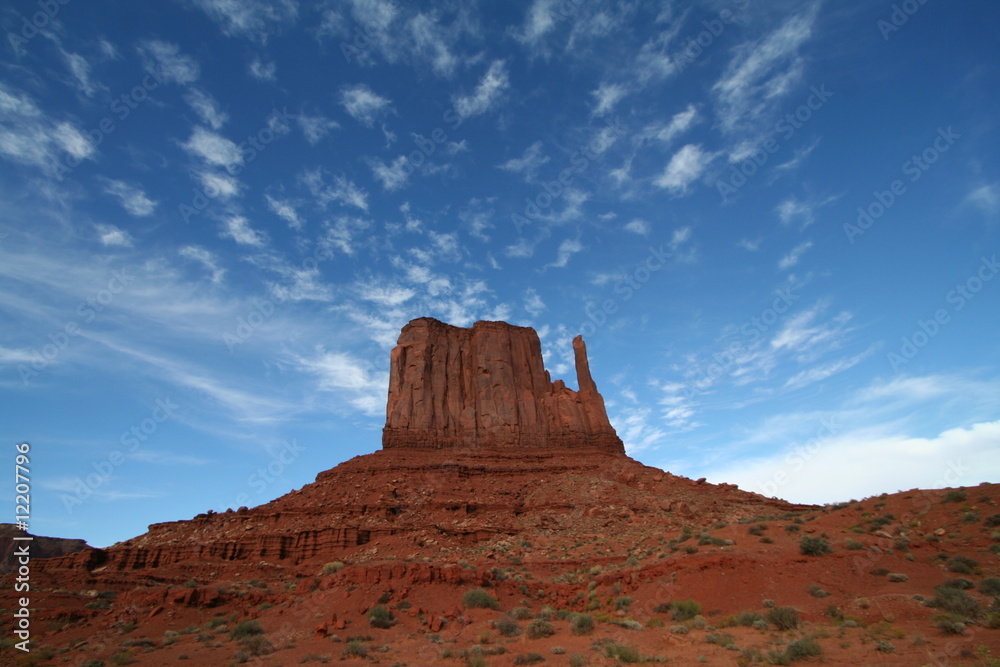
[486, 386]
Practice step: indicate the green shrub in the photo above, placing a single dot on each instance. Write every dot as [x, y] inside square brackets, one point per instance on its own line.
[990, 586]
[960, 583]
[623, 603]
[952, 624]
[521, 613]
[684, 610]
[246, 629]
[962, 564]
[581, 624]
[954, 601]
[528, 659]
[853, 545]
[955, 496]
[508, 627]
[540, 628]
[256, 645]
[331, 568]
[817, 591]
[379, 616]
[757, 529]
[993, 520]
[897, 577]
[477, 598]
[884, 646]
[814, 546]
[577, 660]
[805, 647]
[783, 618]
[355, 647]
[626, 653]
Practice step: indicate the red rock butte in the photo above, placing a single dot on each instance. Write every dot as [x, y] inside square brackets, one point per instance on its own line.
[486, 387]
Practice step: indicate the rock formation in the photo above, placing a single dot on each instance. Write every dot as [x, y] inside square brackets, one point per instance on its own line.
[486, 387]
[41, 547]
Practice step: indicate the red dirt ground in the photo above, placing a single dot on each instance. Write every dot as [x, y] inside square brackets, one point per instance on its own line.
[551, 536]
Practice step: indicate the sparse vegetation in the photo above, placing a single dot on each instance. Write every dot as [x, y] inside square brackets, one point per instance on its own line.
[684, 610]
[853, 545]
[333, 568]
[581, 624]
[245, 629]
[528, 659]
[962, 565]
[477, 598]
[955, 496]
[814, 546]
[954, 601]
[507, 626]
[540, 628]
[379, 616]
[897, 577]
[783, 618]
[626, 653]
[817, 591]
[990, 586]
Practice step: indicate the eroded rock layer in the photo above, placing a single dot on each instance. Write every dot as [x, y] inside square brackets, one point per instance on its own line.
[486, 387]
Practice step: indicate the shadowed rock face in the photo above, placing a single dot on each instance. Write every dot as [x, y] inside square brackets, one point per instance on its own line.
[486, 387]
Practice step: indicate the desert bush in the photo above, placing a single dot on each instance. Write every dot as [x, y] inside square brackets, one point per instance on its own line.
[679, 629]
[508, 627]
[814, 546]
[757, 529]
[853, 545]
[626, 653]
[256, 645]
[521, 613]
[581, 624]
[804, 647]
[355, 647]
[961, 564]
[623, 603]
[897, 577]
[379, 616]
[528, 659]
[246, 629]
[955, 496]
[744, 618]
[331, 568]
[684, 610]
[961, 583]
[477, 598]
[723, 639]
[990, 586]
[952, 624]
[540, 628]
[783, 618]
[954, 601]
[577, 660]
[817, 591]
[993, 520]
[884, 646]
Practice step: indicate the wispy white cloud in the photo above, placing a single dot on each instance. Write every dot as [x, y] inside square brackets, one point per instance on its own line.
[213, 148]
[109, 235]
[252, 19]
[132, 198]
[170, 64]
[238, 229]
[29, 136]
[794, 255]
[222, 185]
[637, 226]
[341, 373]
[679, 123]
[685, 167]
[363, 104]
[528, 164]
[488, 93]
[986, 198]
[392, 176]
[607, 96]
[80, 69]
[533, 303]
[206, 107]
[763, 71]
[315, 128]
[284, 210]
[263, 71]
[818, 373]
[567, 249]
[206, 258]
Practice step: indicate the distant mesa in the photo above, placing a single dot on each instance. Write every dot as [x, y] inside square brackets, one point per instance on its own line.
[486, 387]
[41, 547]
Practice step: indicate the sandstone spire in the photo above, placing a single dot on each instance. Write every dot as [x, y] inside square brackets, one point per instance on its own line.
[486, 386]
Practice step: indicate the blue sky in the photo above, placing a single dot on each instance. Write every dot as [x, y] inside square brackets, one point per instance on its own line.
[776, 225]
